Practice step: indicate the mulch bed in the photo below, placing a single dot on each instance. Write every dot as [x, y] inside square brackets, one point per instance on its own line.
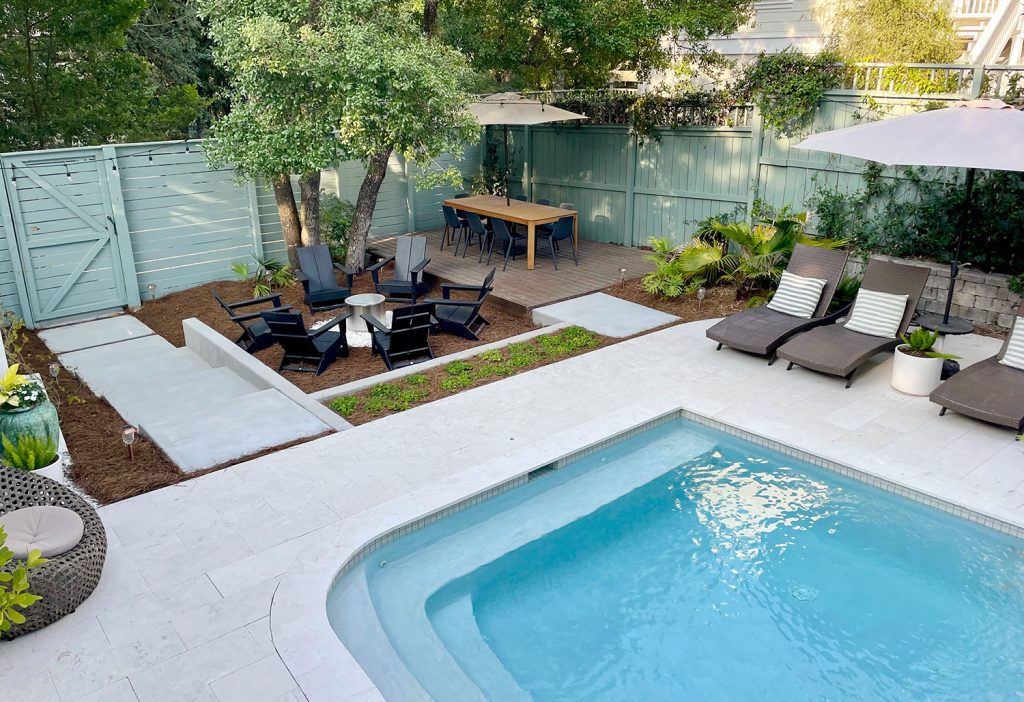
[164, 316]
[92, 430]
[719, 302]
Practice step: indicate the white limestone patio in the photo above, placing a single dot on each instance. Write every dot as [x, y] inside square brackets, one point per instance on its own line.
[186, 607]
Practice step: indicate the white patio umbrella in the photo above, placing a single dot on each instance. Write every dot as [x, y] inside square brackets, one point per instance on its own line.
[514, 109]
[985, 134]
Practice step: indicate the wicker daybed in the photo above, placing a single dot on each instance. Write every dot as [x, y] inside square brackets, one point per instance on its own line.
[66, 580]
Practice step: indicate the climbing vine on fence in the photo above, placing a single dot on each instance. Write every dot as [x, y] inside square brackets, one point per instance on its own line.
[787, 86]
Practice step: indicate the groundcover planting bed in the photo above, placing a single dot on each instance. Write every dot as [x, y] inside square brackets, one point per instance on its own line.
[456, 376]
[165, 314]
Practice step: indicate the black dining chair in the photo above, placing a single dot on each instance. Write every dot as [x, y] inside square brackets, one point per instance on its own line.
[476, 226]
[561, 231]
[509, 244]
[452, 226]
[543, 201]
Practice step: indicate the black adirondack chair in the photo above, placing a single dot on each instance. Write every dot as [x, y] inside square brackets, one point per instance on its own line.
[406, 284]
[307, 351]
[462, 317]
[255, 332]
[407, 341]
[316, 273]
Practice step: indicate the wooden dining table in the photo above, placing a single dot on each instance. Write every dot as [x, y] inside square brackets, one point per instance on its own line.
[527, 213]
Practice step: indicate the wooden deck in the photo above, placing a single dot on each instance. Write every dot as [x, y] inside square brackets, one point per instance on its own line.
[520, 290]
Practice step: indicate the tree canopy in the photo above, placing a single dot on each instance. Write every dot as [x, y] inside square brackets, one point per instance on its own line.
[543, 44]
[69, 78]
[315, 82]
[894, 31]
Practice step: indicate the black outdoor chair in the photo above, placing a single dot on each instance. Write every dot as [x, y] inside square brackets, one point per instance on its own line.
[462, 317]
[543, 201]
[407, 341]
[521, 198]
[406, 284]
[255, 332]
[509, 244]
[561, 232]
[302, 348]
[316, 273]
[452, 225]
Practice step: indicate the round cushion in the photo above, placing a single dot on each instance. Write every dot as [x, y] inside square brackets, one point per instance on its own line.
[52, 530]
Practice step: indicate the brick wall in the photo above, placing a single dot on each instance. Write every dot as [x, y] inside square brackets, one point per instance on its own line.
[983, 298]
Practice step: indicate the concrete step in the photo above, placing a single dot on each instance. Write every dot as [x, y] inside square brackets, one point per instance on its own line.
[177, 395]
[229, 429]
[132, 365]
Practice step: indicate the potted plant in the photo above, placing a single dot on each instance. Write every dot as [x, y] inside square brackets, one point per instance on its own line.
[28, 452]
[916, 368]
[25, 410]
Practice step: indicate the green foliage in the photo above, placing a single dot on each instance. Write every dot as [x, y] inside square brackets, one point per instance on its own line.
[568, 341]
[392, 397]
[335, 221]
[920, 342]
[19, 391]
[759, 255]
[69, 79]
[787, 86]
[14, 584]
[916, 212]
[895, 31]
[846, 292]
[345, 405]
[1016, 284]
[456, 382]
[28, 452]
[269, 274]
[418, 379]
[577, 43]
[492, 356]
[457, 368]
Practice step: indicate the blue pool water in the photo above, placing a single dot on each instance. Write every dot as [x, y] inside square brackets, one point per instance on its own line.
[684, 564]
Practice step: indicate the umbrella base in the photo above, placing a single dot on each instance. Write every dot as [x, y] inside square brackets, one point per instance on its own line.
[955, 325]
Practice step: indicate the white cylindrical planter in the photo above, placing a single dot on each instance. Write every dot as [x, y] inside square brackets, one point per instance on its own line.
[914, 375]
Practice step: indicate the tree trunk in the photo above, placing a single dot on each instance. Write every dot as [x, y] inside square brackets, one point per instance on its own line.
[309, 188]
[429, 17]
[289, 215]
[365, 202]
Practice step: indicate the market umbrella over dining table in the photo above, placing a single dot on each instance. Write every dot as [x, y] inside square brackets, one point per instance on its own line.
[987, 134]
[513, 109]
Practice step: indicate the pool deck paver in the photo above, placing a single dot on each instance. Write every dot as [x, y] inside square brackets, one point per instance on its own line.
[194, 571]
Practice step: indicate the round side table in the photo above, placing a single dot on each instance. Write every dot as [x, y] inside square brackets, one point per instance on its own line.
[359, 305]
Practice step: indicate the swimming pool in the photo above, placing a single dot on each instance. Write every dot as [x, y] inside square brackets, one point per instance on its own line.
[685, 564]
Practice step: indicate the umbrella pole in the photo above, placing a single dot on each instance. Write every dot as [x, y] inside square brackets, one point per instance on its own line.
[508, 201]
[954, 265]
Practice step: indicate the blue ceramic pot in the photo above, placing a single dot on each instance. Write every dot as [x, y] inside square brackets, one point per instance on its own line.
[37, 420]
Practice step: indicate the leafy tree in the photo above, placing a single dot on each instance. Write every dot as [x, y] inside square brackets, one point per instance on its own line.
[577, 43]
[68, 78]
[313, 82]
[895, 31]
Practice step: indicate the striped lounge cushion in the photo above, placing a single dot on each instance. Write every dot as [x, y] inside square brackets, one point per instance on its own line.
[877, 313]
[797, 296]
[1014, 356]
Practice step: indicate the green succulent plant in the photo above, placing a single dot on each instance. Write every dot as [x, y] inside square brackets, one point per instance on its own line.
[28, 452]
[920, 342]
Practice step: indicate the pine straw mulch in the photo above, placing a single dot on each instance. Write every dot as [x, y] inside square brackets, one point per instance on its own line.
[719, 302]
[92, 429]
[164, 316]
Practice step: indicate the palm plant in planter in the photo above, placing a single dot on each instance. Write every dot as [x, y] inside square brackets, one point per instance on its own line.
[25, 410]
[916, 367]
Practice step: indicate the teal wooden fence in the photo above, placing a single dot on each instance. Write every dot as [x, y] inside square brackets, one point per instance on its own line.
[89, 229]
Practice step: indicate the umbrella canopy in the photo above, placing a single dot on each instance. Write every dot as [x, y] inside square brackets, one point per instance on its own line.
[975, 134]
[514, 109]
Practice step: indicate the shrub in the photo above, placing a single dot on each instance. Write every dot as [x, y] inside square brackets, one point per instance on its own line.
[29, 452]
[335, 220]
[14, 594]
[345, 405]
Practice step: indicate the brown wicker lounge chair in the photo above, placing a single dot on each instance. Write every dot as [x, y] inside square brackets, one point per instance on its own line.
[65, 581]
[761, 330]
[836, 350]
[987, 390]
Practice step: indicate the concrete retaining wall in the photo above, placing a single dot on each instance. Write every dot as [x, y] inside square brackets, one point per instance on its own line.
[983, 298]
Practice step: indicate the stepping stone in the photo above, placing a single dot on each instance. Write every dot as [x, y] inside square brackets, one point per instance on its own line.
[98, 332]
[226, 430]
[603, 314]
[132, 365]
[178, 395]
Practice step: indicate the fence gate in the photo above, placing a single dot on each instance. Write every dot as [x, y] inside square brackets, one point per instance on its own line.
[66, 237]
